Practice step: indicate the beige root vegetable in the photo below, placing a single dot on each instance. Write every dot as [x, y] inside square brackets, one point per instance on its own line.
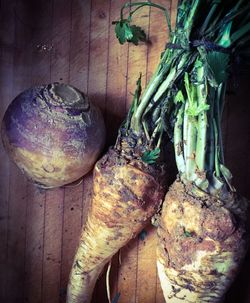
[125, 196]
[202, 241]
[203, 235]
[129, 181]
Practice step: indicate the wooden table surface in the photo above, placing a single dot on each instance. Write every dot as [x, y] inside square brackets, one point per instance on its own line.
[73, 41]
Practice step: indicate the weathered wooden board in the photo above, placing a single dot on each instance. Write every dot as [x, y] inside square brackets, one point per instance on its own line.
[73, 41]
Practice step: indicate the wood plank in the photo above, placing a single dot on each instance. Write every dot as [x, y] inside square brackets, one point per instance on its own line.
[173, 12]
[34, 244]
[127, 275]
[18, 195]
[98, 52]
[16, 237]
[61, 41]
[116, 78]
[7, 34]
[53, 225]
[146, 271]
[79, 45]
[40, 74]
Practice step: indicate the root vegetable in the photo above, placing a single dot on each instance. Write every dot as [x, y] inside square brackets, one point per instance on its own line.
[202, 242]
[129, 186]
[129, 181]
[53, 133]
[203, 235]
[125, 196]
[184, 98]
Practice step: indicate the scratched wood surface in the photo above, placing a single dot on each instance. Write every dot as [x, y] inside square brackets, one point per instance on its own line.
[73, 41]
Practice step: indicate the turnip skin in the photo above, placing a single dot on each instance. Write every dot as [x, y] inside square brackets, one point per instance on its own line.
[53, 134]
[202, 242]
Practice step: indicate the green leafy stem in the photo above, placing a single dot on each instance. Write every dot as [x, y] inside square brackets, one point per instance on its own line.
[149, 108]
[187, 89]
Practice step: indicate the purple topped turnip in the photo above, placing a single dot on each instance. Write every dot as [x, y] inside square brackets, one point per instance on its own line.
[53, 133]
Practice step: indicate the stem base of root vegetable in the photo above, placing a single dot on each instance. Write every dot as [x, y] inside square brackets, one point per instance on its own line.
[202, 243]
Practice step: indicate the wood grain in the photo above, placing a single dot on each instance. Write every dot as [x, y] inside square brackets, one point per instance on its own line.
[6, 82]
[52, 246]
[40, 73]
[34, 244]
[73, 41]
[17, 198]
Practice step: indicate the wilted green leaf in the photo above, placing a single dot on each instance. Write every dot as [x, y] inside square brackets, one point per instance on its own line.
[138, 35]
[150, 157]
[130, 33]
[123, 31]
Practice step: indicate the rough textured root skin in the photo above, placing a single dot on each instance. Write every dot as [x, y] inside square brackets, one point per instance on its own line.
[201, 245]
[124, 199]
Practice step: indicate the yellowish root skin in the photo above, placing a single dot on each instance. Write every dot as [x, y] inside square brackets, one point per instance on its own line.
[124, 199]
[201, 244]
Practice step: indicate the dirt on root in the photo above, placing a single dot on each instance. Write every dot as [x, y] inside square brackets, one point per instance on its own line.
[190, 224]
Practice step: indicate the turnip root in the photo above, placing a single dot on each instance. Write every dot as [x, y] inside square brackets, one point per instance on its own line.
[53, 133]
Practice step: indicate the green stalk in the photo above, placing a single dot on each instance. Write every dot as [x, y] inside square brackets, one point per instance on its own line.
[211, 144]
[189, 21]
[218, 116]
[170, 79]
[216, 150]
[178, 140]
[173, 74]
[156, 87]
[202, 120]
[185, 131]
[191, 130]
[191, 149]
[149, 91]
